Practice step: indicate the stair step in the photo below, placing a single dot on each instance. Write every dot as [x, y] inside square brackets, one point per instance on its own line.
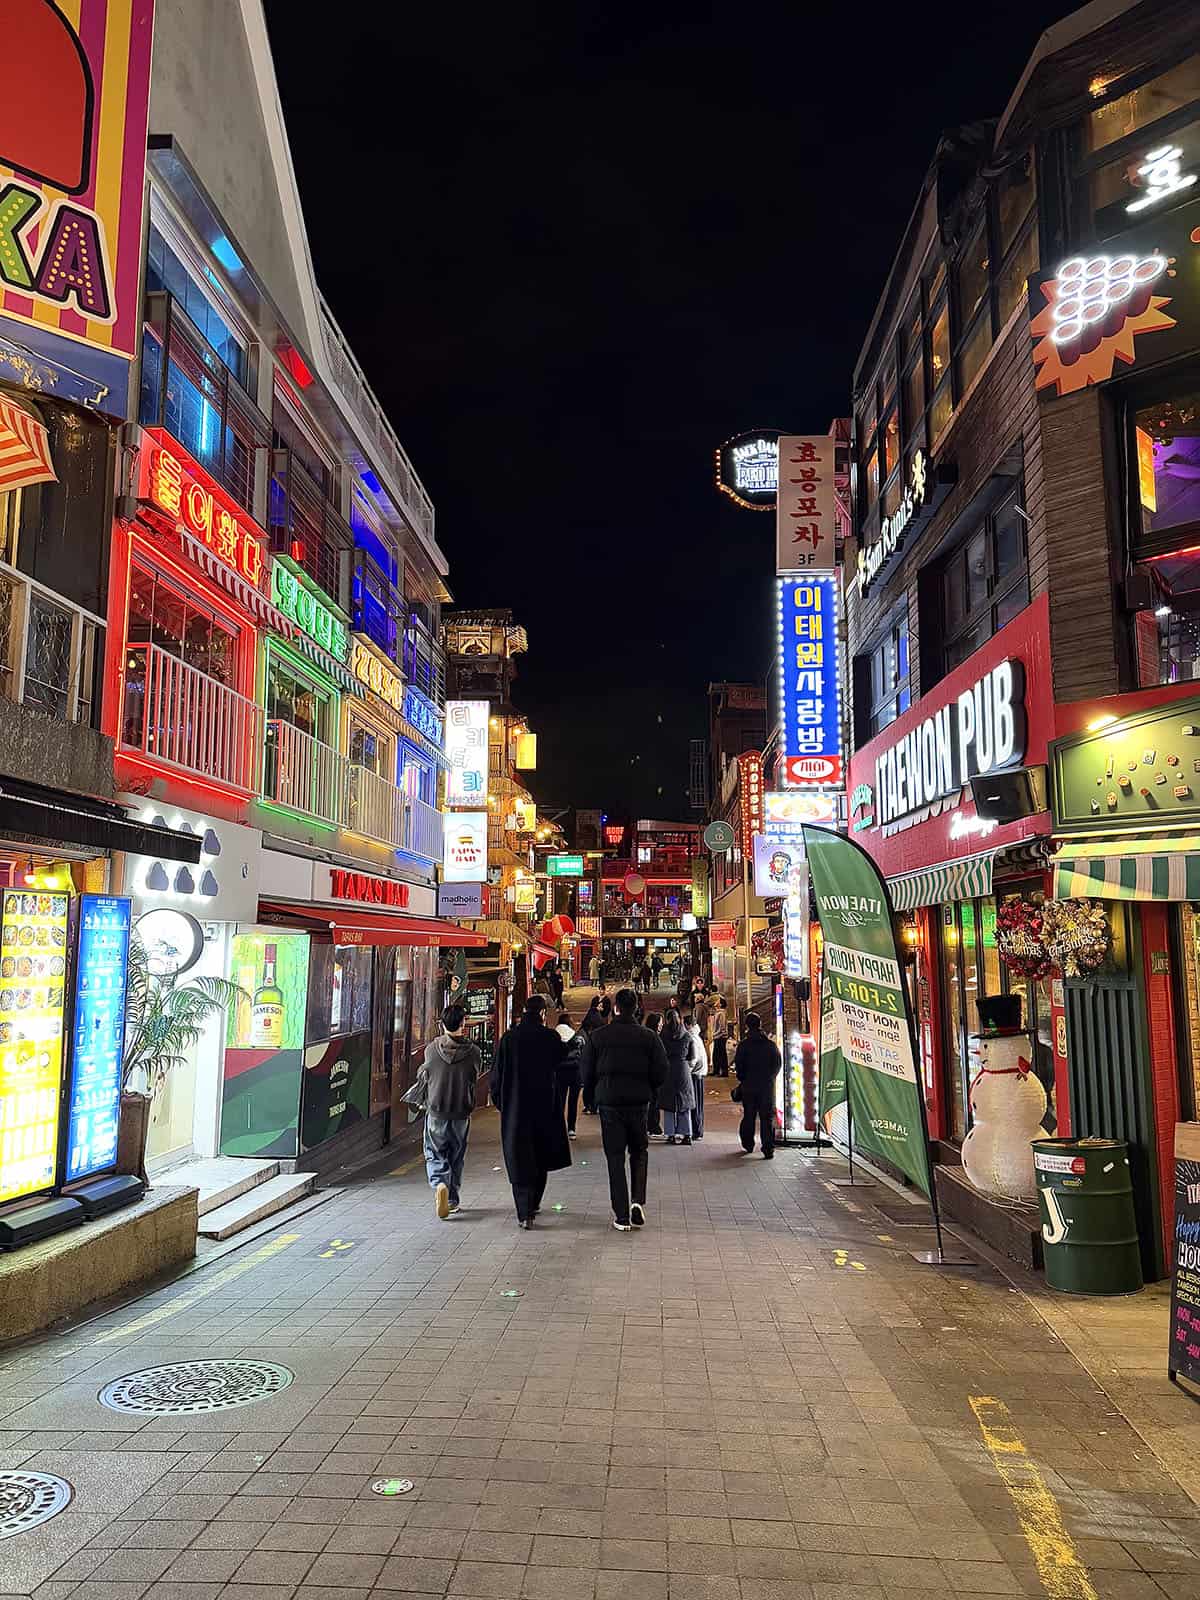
[264, 1200]
[223, 1178]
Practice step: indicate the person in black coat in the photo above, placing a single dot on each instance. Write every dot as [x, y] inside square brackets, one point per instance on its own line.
[677, 1097]
[624, 1066]
[533, 1134]
[756, 1065]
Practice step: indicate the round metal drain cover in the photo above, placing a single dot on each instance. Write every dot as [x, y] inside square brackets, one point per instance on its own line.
[187, 1387]
[29, 1498]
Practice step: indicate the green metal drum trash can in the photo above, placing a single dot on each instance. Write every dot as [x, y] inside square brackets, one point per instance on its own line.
[1089, 1231]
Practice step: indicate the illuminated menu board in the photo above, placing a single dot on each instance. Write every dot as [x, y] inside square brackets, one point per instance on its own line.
[33, 968]
[98, 1032]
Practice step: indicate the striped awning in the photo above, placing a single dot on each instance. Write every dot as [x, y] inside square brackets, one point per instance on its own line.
[246, 595]
[953, 880]
[1163, 868]
[329, 665]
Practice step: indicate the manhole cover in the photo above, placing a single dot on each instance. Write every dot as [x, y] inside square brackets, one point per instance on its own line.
[186, 1387]
[27, 1498]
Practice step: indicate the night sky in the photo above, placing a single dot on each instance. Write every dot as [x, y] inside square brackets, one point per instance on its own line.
[575, 248]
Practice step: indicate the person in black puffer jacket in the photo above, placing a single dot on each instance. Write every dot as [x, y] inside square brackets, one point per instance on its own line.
[624, 1066]
[756, 1066]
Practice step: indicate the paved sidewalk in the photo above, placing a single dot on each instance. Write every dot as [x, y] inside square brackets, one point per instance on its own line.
[761, 1397]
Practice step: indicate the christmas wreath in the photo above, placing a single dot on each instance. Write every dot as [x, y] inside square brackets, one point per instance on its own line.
[1076, 935]
[1021, 940]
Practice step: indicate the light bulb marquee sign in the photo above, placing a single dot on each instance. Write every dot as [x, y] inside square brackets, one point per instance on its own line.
[747, 469]
[1131, 302]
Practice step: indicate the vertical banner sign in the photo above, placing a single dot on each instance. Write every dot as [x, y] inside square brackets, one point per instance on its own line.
[795, 921]
[1183, 1355]
[466, 752]
[700, 886]
[72, 172]
[750, 787]
[810, 682]
[863, 979]
[805, 507]
[832, 1066]
[101, 978]
[33, 967]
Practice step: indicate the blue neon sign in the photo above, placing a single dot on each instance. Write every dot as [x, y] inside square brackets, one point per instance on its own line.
[98, 1034]
[810, 676]
[423, 714]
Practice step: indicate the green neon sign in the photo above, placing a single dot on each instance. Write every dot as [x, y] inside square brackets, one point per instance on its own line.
[564, 866]
[299, 603]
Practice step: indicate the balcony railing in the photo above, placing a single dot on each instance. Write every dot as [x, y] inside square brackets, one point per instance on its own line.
[183, 718]
[49, 650]
[305, 775]
[389, 453]
[424, 661]
[188, 390]
[307, 526]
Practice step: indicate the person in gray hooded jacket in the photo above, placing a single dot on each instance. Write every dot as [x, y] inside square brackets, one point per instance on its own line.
[450, 1068]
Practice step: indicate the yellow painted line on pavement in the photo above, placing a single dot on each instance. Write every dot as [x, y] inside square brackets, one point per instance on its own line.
[841, 1258]
[207, 1287]
[409, 1166]
[336, 1246]
[1063, 1574]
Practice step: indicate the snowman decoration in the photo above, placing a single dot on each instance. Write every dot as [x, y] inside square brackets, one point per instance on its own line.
[1007, 1105]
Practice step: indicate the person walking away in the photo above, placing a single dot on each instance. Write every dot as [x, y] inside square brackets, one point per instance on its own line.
[451, 1069]
[645, 974]
[555, 983]
[720, 1038]
[677, 1097]
[654, 1115]
[756, 1064]
[567, 1074]
[656, 967]
[594, 1017]
[594, 969]
[699, 1073]
[533, 1135]
[624, 1067]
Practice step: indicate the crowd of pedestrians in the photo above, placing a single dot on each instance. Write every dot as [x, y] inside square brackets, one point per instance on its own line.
[640, 1075]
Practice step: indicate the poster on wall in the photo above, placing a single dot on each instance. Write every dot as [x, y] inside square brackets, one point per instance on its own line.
[98, 1033]
[264, 1043]
[864, 982]
[33, 967]
[72, 172]
[1183, 1356]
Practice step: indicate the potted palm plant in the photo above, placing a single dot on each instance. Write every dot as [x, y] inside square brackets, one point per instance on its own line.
[164, 1019]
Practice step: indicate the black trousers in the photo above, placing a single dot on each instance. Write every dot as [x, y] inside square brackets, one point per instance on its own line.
[528, 1197]
[761, 1108]
[568, 1100]
[698, 1108]
[623, 1130]
[720, 1058]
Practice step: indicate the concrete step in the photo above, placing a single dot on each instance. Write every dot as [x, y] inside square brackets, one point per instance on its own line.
[224, 1178]
[264, 1200]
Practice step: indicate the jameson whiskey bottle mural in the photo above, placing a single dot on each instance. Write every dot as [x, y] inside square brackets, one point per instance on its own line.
[266, 1010]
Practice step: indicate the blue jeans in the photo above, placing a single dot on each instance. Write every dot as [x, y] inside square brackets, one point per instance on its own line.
[445, 1151]
[677, 1124]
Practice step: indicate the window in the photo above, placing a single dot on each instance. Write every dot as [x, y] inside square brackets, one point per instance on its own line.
[973, 278]
[984, 582]
[339, 991]
[297, 700]
[1167, 464]
[1016, 192]
[914, 401]
[1170, 91]
[1164, 474]
[371, 749]
[162, 614]
[974, 352]
[166, 272]
[418, 775]
[939, 345]
[1014, 275]
[884, 678]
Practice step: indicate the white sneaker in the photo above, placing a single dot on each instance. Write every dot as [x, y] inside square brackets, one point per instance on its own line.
[570, 1133]
[441, 1201]
[637, 1217]
[622, 1227]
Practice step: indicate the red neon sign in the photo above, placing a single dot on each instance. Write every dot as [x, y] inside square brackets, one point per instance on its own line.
[178, 486]
[750, 783]
[370, 891]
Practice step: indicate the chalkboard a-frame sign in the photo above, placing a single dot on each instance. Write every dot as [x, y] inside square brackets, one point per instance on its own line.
[1183, 1359]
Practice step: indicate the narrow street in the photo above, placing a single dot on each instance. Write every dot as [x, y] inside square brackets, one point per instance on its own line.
[760, 1397]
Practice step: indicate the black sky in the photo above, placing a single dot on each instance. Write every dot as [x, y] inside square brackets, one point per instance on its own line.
[575, 247]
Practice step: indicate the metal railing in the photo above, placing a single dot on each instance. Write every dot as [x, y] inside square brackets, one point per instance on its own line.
[422, 829]
[424, 661]
[188, 390]
[307, 526]
[180, 716]
[49, 650]
[388, 452]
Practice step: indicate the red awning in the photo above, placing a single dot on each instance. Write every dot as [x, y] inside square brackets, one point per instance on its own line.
[373, 927]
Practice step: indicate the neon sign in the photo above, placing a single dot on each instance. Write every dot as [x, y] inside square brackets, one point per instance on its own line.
[893, 529]
[423, 715]
[466, 751]
[307, 612]
[747, 469]
[1164, 175]
[750, 785]
[377, 675]
[810, 679]
[178, 486]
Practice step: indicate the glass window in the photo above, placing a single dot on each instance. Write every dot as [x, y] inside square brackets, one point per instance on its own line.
[1170, 91]
[418, 776]
[974, 351]
[888, 678]
[914, 397]
[371, 749]
[955, 1019]
[297, 700]
[1016, 272]
[939, 345]
[163, 615]
[870, 481]
[165, 271]
[912, 323]
[934, 282]
[984, 581]
[1016, 191]
[891, 442]
[1118, 185]
[973, 278]
[941, 409]
[1167, 462]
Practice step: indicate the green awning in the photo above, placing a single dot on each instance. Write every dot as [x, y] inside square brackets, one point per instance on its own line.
[954, 880]
[1160, 868]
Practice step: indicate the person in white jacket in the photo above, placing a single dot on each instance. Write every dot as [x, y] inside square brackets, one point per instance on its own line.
[699, 1073]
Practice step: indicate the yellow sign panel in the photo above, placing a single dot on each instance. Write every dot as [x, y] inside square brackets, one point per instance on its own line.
[526, 811]
[526, 752]
[378, 677]
[1147, 489]
[33, 978]
[526, 898]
